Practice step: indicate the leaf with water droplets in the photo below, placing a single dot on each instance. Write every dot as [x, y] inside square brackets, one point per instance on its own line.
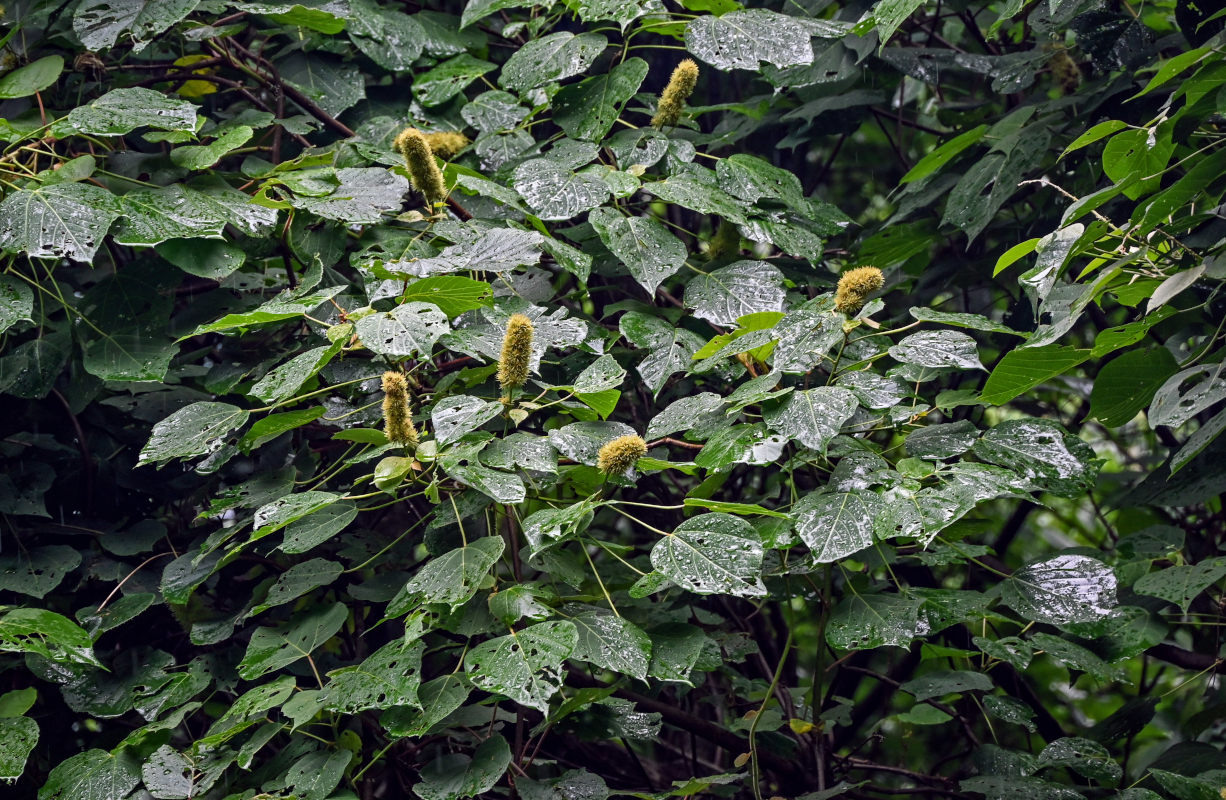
[391, 38]
[388, 677]
[525, 665]
[551, 58]
[330, 84]
[938, 350]
[581, 441]
[1042, 452]
[745, 287]
[152, 216]
[273, 648]
[98, 23]
[837, 524]
[587, 109]
[643, 244]
[455, 416]
[744, 39]
[121, 111]
[712, 554]
[454, 776]
[194, 430]
[51, 635]
[812, 417]
[1060, 590]
[452, 578]
[863, 622]
[281, 383]
[1083, 756]
[437, 699]
[555, 191]
[364, 194]
[671, 346]
[18, 735]
[410, 329]
[60, 220]
[1183, 583]
[16, 302]
[448, 79]
[1185, 394]
[93, 775]
[611, 642]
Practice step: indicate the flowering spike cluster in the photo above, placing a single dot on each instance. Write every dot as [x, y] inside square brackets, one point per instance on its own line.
[621, 454]
[726, 241]
[855, 285]
[397, 415]
[445, 144]
[672, 99]
[423, 170]
[1065, 70]
[516, 352]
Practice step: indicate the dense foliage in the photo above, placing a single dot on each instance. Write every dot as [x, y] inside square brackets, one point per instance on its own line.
[834, 415]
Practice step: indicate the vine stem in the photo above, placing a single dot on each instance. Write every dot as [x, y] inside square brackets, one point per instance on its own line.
[754, 768]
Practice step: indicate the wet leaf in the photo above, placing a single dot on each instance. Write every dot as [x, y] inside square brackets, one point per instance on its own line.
[712, 554]
[1063, 589]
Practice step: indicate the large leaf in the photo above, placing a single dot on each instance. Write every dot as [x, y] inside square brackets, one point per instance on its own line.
[670, 347]
[452, 578]
[556, 192]
[550, 58]
[588, 109]
[643, 244]
[836, 525]
[1041, 451]
[612, 642]
[121, 111]
[454, 776]
[938, 350]
[744, 39]
[18, 735]
[525, 665]
[1061, 590]
[34, 77]
[388, 677]
[728, 293]
[812, 417]
[272, 648]
[99, 23]
[410, 329]
[45, 633]
[93, 775]
[332, 86]
[876, 620]
[362, 195]
[712, 554]
[1187, 393]
[60, 220]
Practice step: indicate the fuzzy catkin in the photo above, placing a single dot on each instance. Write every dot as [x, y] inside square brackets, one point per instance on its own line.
[1065, 71]
[516, 352]
[672, 99]
[855, 285]
[419, 160]
[445, 144]
[621, 454]
[397, 415]
[725, 242]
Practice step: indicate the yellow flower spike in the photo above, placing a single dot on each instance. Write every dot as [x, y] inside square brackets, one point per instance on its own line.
[423, 170]
[621, 454]
[445, 144]
[672, 99]
[397, 415]
[516, 353]
[855, 286]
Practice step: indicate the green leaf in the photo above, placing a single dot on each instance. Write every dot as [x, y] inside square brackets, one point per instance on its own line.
[37, 571]
[452, 294]
[197, 157]
[551, 58]
[410, 329]
[362, 194]
[588, 109]
[284, 382]
[1025, 368]
[32, 78]
[388, 677]
[837, 524]
[556, 192]
[581, 441]
[1187, 393]
[976, 322]
[643, 244]
[864, 622]
[1042, 452]
[99, 23]
[121, 111]
[318, 527]
[1083, 756]
[281, 307]
[744, 39]
[153, 216]
[18, 735]
[331, 85]
[671, 347]
[448, 79]
[93, 775]
[942, 155]
[455, 416]
[1099, 131]
[1061, 590]
[1011, 256]
[272, 426]
[745, 287]
[712, 554]
[939, 684]
[1172, 67]
[272, 649]
[1140, 151]
[1183, 583]
[16, 302]
[1016, 787]
[194, 430]
[452, 578]
[741, 509]
[437, 699]
[812, 417]
[272, 517]
[454, 776]
[391, 38]
[938, 350]
[297, 581]
[889, 14]
[1125, 385]
[45, 633]
[60, 220]
[611, 642]
[525, 666]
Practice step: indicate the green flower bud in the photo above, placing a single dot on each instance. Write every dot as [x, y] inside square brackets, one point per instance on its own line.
[516, 352]
[672, 99]
[397, 415]
[855, 286]
[423, 170]
[621, 454]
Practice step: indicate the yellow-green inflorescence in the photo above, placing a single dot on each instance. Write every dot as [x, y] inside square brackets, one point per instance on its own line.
[855, 285]
[397, 414]
[672, 99]
[516, 353]
[621, 454]
[446, 144]
[423, 170]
